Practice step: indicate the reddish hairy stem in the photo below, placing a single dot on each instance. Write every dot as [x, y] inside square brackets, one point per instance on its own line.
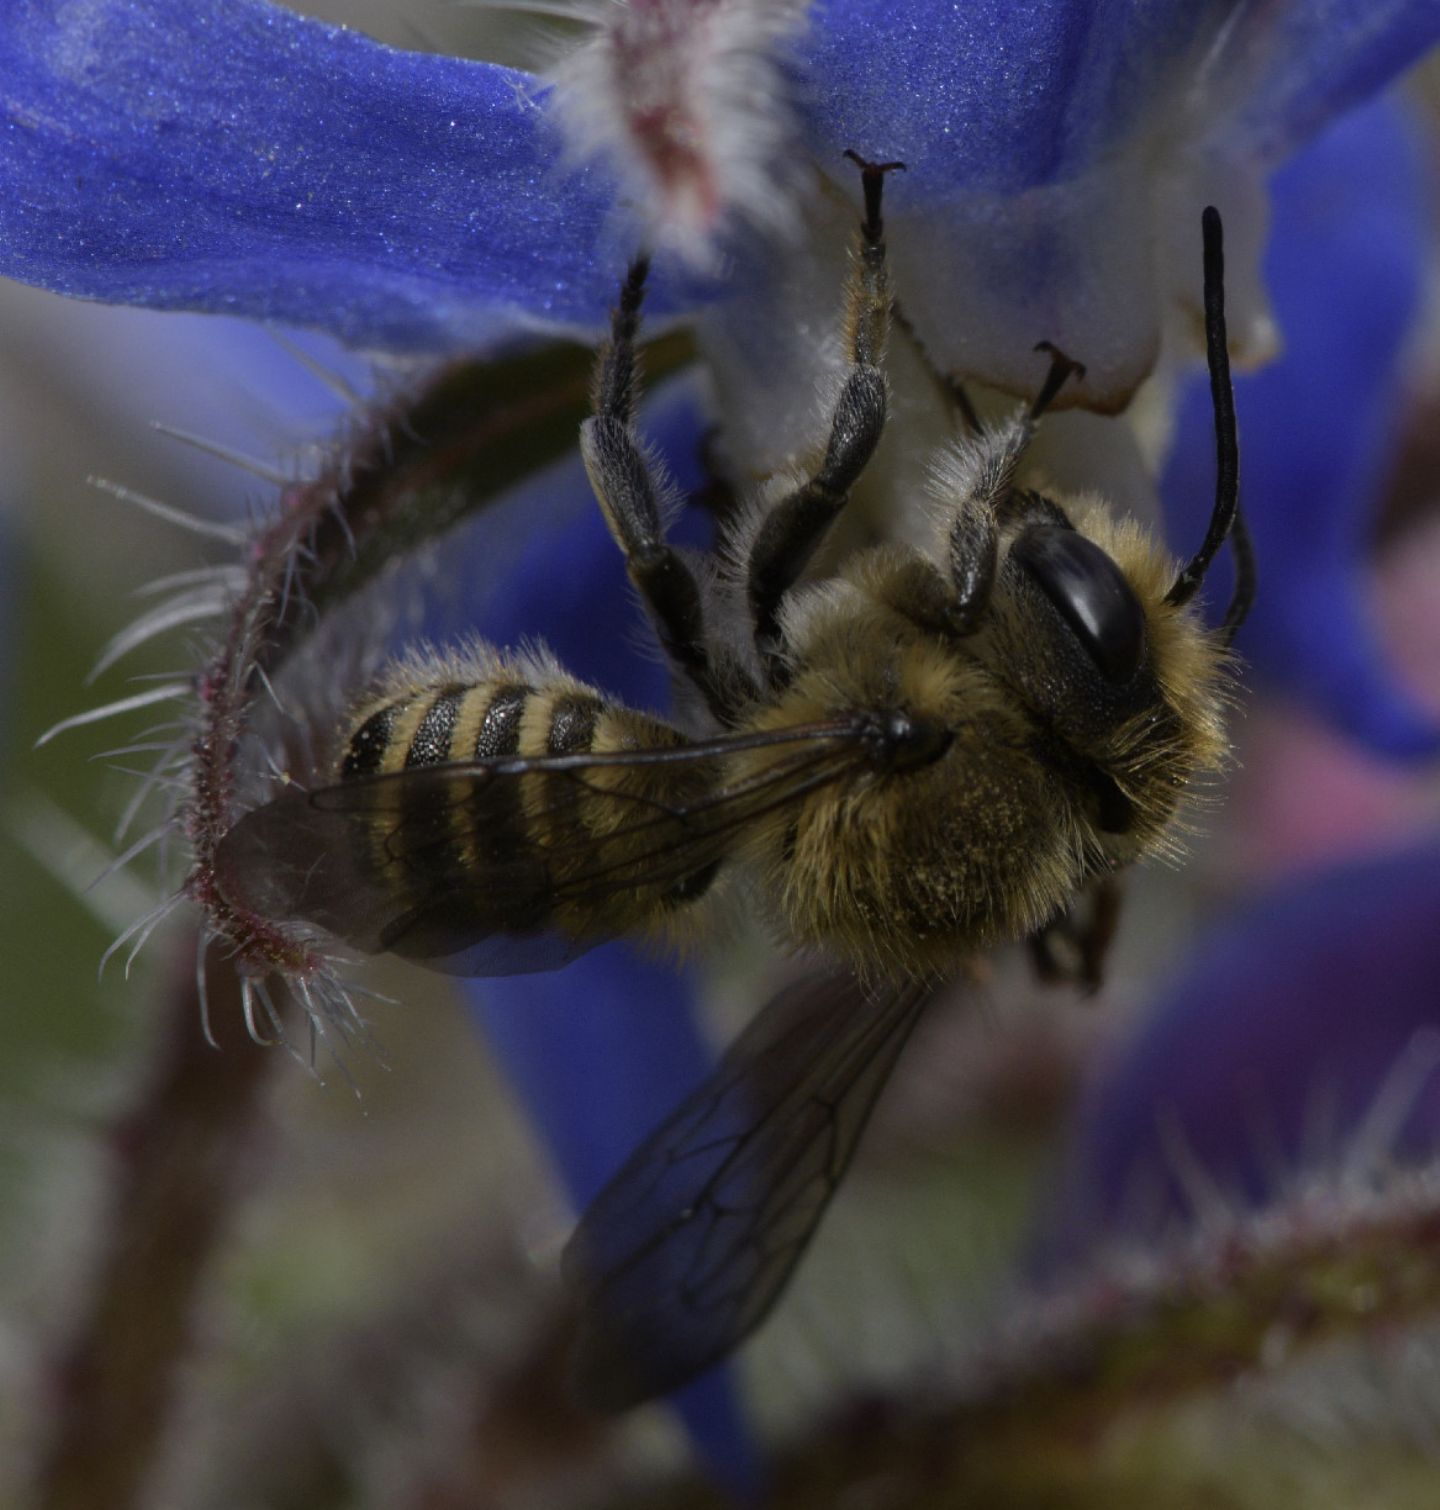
[1037, 1423]
[176, 1155]
[413, 469]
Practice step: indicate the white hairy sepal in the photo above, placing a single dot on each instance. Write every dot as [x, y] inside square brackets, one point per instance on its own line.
[690, 101]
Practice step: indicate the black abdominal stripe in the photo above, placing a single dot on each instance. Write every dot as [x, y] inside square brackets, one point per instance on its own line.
[470, 723]
[464, 849]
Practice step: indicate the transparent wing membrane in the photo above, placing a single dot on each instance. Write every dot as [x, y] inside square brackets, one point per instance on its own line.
[688, 1247]
[515, 865]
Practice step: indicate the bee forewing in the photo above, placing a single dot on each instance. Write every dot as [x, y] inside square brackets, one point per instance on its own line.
[313, 856]
[518, 865]
[684, 1252]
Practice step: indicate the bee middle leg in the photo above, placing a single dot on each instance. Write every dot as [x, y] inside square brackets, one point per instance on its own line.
[629, 497]
[794, 528]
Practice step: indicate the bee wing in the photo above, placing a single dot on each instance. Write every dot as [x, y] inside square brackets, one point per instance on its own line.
[317, 856]
[441, 863]
[687, 1248]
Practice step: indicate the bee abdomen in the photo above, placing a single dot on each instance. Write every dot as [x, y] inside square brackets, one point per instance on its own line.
[579, 848]
[573, 719]
[498, 734]
[430, 744]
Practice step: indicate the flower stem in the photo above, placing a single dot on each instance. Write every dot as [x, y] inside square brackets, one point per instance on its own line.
[176, 1155]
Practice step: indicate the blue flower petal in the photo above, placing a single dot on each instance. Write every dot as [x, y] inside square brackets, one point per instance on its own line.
[1007, 95]
[600, 1051]
[1321, 58]
[992, 96]
[241, 159]
[1317, 428]
[1287, 1029]
[1052, 144]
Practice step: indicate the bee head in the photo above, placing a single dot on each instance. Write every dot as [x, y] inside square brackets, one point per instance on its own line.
[1115, 661]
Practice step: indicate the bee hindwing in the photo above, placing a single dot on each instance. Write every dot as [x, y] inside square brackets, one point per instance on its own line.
[684, 1252]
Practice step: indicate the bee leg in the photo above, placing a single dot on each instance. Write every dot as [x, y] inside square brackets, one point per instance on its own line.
[794, 528]
[629, 496]
[974, 542]
[868, 294]
[1071, 949]
[974, 556]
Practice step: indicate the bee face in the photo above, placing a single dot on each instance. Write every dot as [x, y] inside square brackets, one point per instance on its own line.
[1126, 690]
[930, 753]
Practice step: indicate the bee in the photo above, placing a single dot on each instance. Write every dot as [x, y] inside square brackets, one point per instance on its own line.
[924, 755]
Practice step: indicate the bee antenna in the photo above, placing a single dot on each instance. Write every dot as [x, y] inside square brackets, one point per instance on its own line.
[1225, 516]
[1244, 594]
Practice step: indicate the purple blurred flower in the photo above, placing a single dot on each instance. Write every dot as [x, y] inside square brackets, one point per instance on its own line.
[1348, 256]
[1303, 1038]
[243, 160]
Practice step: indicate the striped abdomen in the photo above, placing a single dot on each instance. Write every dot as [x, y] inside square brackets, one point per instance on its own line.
[491, 720]
[598, 842]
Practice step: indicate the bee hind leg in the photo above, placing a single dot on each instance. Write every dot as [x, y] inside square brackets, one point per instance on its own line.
[629, 494]
[794, 528]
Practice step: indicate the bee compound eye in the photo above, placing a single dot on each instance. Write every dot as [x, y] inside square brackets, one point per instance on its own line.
[1091, 593]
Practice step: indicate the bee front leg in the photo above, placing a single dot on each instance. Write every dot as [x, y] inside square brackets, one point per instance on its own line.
[974, 557]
